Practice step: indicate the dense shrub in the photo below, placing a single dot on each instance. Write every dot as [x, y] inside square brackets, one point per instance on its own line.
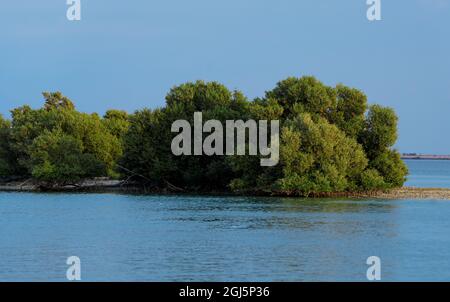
[57, 144]
[330, 141]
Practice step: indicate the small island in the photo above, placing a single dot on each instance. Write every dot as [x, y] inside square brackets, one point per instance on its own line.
[332, 143]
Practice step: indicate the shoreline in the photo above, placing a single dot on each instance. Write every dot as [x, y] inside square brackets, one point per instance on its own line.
[424, 157]
[117, 186]
[409, 193]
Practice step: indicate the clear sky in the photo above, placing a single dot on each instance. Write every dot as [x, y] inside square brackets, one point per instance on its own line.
[128, 54]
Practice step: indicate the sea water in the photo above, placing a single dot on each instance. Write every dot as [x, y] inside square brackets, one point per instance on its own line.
[186, 238]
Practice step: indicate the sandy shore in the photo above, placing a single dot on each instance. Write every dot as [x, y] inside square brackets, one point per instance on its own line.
[408, 193]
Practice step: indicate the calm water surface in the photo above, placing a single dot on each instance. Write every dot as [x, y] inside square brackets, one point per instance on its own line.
[429, 173]
[168, 238]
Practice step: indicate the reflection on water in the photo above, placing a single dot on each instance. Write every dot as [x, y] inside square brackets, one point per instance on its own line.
[182, 238]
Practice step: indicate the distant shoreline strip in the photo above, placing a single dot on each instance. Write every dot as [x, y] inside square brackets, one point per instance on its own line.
[423, 156]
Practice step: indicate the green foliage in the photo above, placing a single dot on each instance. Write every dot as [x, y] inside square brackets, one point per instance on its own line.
[306, 94]
[8, 162]
[55, 100]
[350, 110]
[37, 138]
[371, 179]
[147, 144]
[321, 154]
[391, 167]
[380, 130]
[329, 141]
[117, 122]
[53, 164]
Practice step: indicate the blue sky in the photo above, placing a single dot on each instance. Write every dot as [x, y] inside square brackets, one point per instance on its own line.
[128, 54]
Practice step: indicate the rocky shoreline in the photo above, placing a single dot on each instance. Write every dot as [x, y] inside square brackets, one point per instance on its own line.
[408, 193]
[107, 185]
[30, 186]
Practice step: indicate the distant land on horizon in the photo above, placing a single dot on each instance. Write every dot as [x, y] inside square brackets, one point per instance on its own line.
[425, 156]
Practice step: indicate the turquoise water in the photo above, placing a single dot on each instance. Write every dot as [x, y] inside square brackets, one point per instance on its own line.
[169, 238]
